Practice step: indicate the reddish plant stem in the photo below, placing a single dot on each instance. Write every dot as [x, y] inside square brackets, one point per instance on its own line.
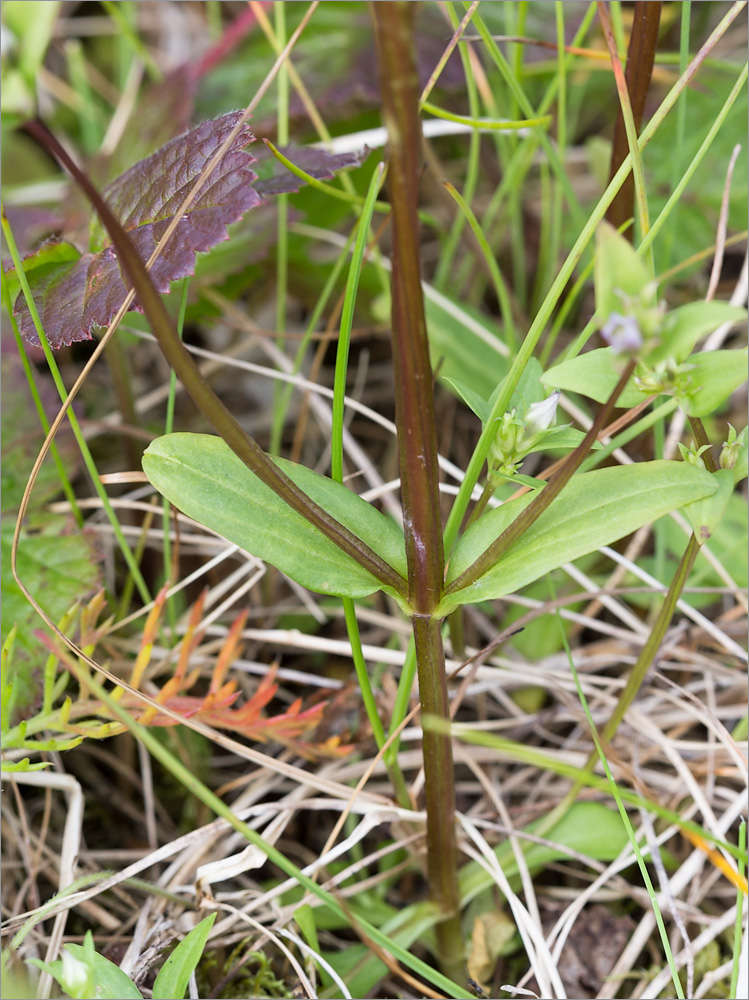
[643, 43]
[417, 456]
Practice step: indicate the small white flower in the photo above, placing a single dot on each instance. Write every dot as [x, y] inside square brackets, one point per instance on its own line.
[540, 416]
[8, 41]
[74, 975]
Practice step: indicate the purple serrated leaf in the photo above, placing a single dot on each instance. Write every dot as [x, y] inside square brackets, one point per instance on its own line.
[76, 297]
[318, 163]
[88, 293]
[155, 188]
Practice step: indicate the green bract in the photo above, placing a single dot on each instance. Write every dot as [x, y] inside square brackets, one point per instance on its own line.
[620, 273]
[713, 376]
[203, 477]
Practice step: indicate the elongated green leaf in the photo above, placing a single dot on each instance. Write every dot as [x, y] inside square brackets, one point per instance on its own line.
[685, 326]
[563, 439]
[361, 968]
[201, 476]
[588, 827]
[458, 350]
[474, 400]
[595, 509]
[592, 374]
[171, 982]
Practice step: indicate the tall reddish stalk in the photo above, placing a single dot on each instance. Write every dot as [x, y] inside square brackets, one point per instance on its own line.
[643, 43]
[417, 456]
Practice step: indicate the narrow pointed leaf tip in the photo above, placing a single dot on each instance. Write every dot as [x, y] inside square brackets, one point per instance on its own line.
[202, 477]
[87, 288]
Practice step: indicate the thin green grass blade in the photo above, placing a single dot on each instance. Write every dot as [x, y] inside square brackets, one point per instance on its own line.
[511, 750]
[736, 91]
[445, 265]
[336, 438]
[118, 13]
[285, 395]
[483, 123]
[282, 227]
[314, 182]
[494, 52]
[166, 507]
[88, 113]
[685, 10]
[347, 322]
[499, 282]
[402, 699]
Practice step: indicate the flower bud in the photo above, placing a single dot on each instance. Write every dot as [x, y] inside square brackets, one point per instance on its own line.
[732, 448]
[693, 455]
[75, 975]
[652, 383]
[504, 451]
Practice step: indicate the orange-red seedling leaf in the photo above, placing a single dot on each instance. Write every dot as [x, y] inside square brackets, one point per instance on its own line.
[229, 651]
[150, 634]
[217, 707]
[91, 629]
[718, 861]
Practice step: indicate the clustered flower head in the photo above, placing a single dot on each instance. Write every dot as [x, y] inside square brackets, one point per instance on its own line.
[664, 377]
[517, 436]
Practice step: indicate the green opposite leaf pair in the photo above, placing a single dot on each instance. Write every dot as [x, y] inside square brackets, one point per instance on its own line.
[201, 476]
